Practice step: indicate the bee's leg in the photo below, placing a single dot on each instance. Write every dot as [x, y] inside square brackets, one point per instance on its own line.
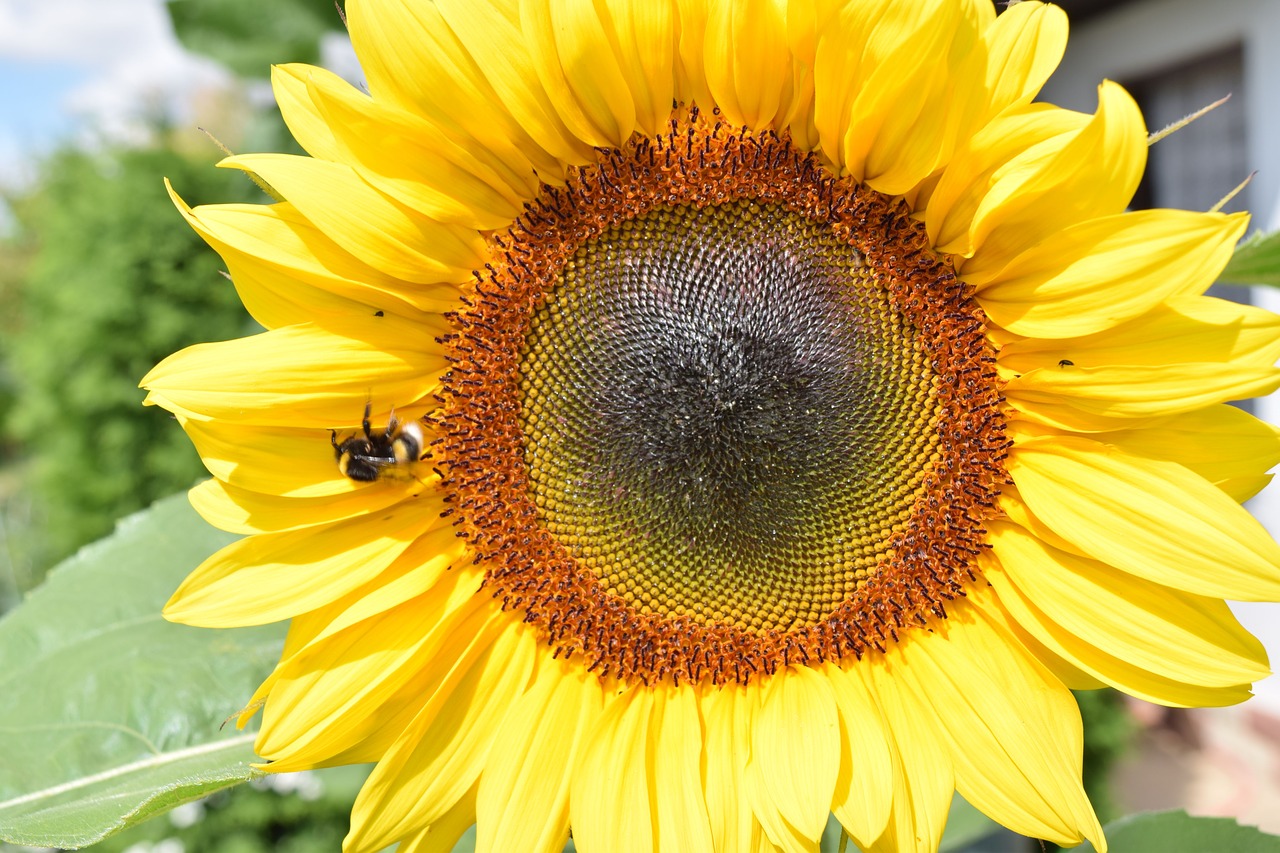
[392, 423]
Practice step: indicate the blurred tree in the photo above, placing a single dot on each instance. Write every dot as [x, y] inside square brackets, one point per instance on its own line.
[1108, 733]
[15, 256]
[247, 38]
[19, 548]
[117, 282]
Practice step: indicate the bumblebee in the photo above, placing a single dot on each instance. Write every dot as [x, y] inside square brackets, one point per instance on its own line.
[372, 456]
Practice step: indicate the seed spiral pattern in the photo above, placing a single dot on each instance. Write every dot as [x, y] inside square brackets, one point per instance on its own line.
[712, 411]
[721, 411]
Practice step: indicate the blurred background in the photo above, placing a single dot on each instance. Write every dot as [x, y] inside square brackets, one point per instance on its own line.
[100, 278]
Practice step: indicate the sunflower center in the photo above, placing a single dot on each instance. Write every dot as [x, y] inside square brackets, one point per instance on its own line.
[723, 413]
[713, 411]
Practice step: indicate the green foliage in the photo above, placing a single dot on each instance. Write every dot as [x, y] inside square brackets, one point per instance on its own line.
[20, 549]
[248, 36]
[290, 813]
[1108, 731]
[15, 257]
[967, 828]
[117, 282]
[116, 715]
[1176, 831]
[1256, 261]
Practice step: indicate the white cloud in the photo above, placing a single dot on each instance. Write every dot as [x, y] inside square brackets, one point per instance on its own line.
[133, 61]
[86, 32]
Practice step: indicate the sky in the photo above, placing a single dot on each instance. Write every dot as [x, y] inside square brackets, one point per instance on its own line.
[74, 68]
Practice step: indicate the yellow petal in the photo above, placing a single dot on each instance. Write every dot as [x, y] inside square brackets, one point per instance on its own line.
[443, 835]
[281, 461]
[678, 799]
[357, 739]
[1153, 519]
[1101, 272]
[1186, 329]
[414, 60]
[609, 802]
[359, 653]
[1038, 630]
[903, 122]
[877, 68]
[1024, 46]
[1228, 452]
[278, 247]
[1033, 172]
[378, 230]
[286, 461]
[1069, 674]
[445, 157]
[1241, 489]
[759, 842]
[727, 748]
[307, 124]
[924, 774]
[421, 569]
[691, 75]
[1020, 762]
[497, 46]
[800, 121]
[1094, 174]
[439, 757]
[646, 37]
[273, 576]
[431, 565]
[402, 155]
[1181, 636]
[242, 511]
[276, 300]
[864, 788]
[837, 62]
[1029, 135]
[299, 376]
[746, 59]
[796, 745]
[1088, 399]
[578, 69]
[523, 801]
[776, 832]
[1220, 443]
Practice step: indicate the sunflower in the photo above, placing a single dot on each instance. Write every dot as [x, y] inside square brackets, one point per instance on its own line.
[770, 411]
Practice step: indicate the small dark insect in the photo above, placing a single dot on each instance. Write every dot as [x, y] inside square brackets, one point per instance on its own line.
[377, 313]
[1066, 363]
[371, 456]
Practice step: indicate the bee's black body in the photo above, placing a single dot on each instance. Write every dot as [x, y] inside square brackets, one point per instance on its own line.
[371, 456]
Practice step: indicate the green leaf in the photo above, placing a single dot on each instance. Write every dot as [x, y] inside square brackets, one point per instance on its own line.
[1176, 831]
[1256, 261]
[966, 825]
[110, 714]
[248, 36]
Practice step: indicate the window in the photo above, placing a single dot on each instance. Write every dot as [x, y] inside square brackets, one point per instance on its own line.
[1198, 165]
